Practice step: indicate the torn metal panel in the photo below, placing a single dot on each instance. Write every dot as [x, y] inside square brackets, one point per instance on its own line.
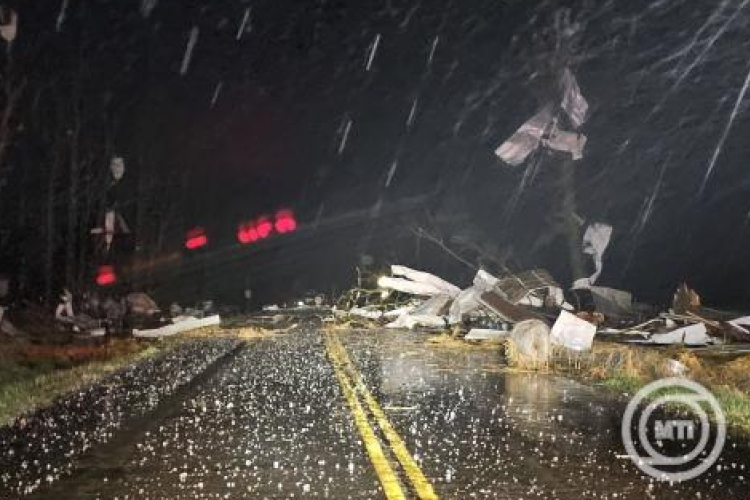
[465, 303]
[485, 281]
[517, 287]
[612, 303]
[572, 332]
[430, 313]
[526, 139]
[573, 102]
[505, 309]
[468, 300]
[417, 283]
[566, 142]
[410, 287]
[696, 334]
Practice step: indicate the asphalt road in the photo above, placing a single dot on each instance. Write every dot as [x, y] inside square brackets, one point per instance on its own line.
[374, 415]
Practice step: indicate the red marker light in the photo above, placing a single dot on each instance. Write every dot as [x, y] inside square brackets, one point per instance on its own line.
[285, 221]
[106, 276]
[196, 238]
[246, 233]
[264, 228]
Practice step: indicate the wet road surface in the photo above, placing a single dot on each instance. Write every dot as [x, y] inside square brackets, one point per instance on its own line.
[289, 417]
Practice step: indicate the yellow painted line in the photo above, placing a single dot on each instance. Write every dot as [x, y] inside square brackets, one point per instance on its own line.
[419, 481]
[387, 477]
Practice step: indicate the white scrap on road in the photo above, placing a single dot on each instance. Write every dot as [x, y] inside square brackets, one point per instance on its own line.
[181, 325]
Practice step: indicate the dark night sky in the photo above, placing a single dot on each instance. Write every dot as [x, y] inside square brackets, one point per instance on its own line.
[661, 77]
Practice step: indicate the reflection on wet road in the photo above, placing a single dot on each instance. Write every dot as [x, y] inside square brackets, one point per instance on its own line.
[274, 422]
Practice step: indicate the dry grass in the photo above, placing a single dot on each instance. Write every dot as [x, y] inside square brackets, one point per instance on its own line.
[32, 377]
[449, 342]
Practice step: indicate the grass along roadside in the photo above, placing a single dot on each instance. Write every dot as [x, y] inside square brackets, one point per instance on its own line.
[32, 377]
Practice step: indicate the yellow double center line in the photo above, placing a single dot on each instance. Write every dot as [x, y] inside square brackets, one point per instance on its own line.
[352, 387]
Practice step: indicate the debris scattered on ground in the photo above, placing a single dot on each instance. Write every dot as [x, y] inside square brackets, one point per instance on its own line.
[493, 306]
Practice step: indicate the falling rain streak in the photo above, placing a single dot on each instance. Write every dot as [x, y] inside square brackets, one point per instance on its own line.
[243, 24]
[725, 134]
[412, 112]
[217, 91]
[432, 51]
[391, 172]
[61, 15]
[345, 135]
[373, 51]
[189, 50]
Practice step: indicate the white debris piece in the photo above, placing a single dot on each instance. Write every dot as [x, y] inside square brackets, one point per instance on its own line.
[595, 242]
[467, 300]
[117, 167]
[113, 224]
[573, 102]
[526, 139]
[65, 307]
[9, 26]
[417, 283]
[676, 368]
[395, 313]
[189, 50]
[183, 325]
[689, 335]
[742, 323]
[486, 334]
[426, 314]
[365, 313]
[572, 332]
[567, 142]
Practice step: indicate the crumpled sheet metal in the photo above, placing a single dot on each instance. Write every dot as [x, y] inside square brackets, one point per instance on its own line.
[468, 300]
[526, 139]
[566, 142]
[516, 287]
[611, 302]
[573, 102]
[417, 283]
[430, 313]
